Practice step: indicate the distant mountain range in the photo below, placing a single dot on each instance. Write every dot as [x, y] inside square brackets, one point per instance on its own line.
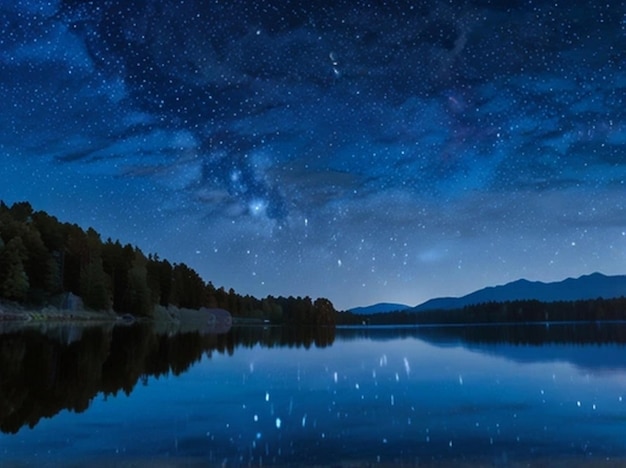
[571, 289]
[379, 308]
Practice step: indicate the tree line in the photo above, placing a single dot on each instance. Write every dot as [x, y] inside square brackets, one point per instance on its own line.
[43, 259]
[520, 311]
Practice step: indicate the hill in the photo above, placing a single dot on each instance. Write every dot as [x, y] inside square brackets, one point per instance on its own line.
[46, 264]
[593, 286]
[381, 307]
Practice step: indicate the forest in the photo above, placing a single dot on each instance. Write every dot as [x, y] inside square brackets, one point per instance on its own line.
[521, 311]
[42, 260]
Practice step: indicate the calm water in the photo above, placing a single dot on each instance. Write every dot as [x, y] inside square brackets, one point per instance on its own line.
[479, 396]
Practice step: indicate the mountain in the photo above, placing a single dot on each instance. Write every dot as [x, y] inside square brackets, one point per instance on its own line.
[379, 308]
[586, 287]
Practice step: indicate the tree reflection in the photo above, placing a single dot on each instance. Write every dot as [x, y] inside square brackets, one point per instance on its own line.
[531, 334]
[537, 334]
[43, 373]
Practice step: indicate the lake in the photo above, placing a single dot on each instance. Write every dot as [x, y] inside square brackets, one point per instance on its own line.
[471, 396]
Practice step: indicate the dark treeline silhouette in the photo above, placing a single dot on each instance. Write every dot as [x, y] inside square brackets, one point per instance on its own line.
[523, 311]
[65, 368]
[42, 259]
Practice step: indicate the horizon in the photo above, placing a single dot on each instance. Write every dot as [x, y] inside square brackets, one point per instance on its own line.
[366, 154]
[594, 273]
[485, 287]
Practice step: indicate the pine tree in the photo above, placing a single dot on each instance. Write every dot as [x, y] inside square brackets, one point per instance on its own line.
[138, 296]
[325, 313]
[94, 286]
[14, 282]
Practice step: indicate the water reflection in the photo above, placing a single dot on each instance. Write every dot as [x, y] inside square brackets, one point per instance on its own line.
[593, 347]
[562, 342]
[47, 369]
[529, 334]
[259, 396]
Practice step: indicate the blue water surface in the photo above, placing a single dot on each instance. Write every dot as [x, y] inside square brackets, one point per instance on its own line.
[364, 400]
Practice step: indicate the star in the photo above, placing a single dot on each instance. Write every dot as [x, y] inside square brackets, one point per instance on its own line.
[460, 144]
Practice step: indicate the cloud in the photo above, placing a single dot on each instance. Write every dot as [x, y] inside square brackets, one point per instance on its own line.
[431, 124]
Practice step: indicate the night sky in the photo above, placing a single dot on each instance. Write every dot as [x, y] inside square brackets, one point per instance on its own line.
[362, 151]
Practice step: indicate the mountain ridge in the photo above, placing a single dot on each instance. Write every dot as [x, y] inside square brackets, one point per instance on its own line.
[378, 308]
[591, 286]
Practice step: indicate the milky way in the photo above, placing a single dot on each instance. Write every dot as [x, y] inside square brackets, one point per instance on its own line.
[360, 151]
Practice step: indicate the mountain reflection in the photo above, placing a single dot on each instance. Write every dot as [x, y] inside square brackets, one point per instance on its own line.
[537, 334]
[593, 347]
[43, 372]
[530, 343]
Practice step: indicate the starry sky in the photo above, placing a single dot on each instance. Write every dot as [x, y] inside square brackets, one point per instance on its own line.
[362, 151]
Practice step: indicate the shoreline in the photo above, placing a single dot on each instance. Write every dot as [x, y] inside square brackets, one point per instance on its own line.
[171, 317]
[11, 312]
